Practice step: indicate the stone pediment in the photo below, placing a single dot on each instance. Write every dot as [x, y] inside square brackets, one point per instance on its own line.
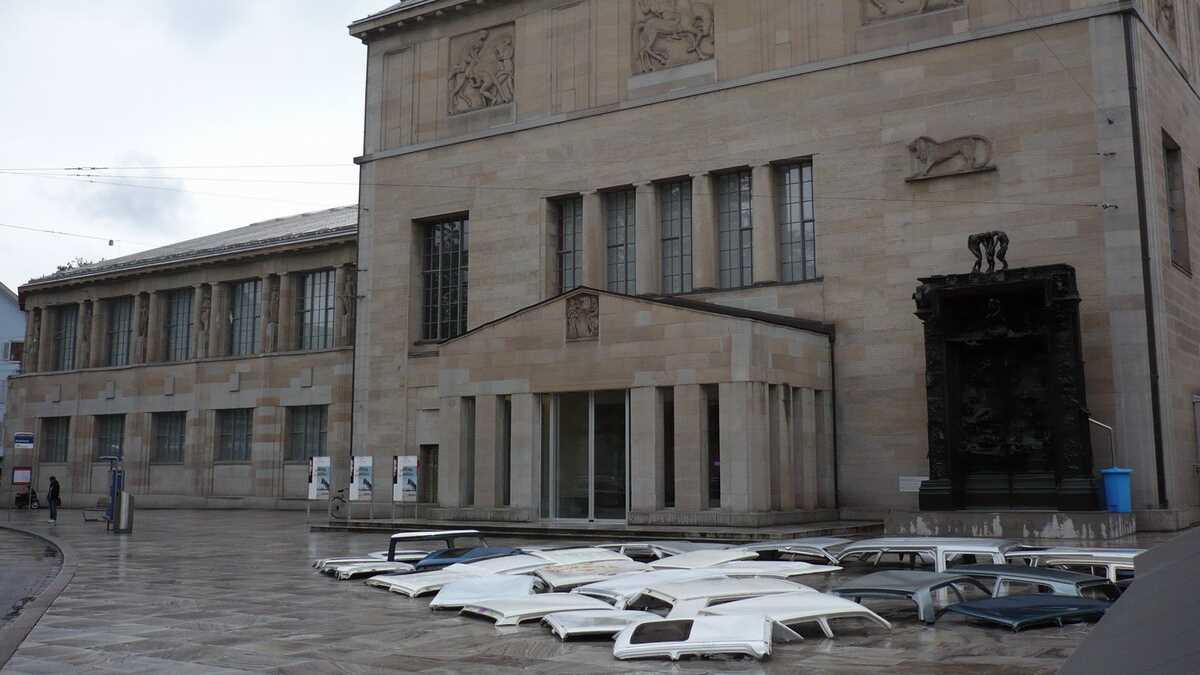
[591, 339]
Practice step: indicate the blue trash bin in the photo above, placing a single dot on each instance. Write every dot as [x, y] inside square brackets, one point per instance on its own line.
[1117, 497]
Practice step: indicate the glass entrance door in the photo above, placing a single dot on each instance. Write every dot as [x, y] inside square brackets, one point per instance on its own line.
[587, 456]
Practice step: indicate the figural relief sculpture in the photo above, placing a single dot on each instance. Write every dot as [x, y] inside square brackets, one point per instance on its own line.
[879, 10]
[965, 154]
[202, 320]
[669, 33]
[482, 74]
[583, 317]
[994, 244]
[1165, 21]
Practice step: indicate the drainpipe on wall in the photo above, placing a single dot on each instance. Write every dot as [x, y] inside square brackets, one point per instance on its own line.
[1144, 235]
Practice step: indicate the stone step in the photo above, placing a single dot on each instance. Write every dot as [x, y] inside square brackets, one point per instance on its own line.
[610, 531]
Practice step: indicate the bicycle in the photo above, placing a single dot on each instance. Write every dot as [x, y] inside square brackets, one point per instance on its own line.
[339, 508]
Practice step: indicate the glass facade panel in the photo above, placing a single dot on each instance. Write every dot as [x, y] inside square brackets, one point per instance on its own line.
[170, 433]
[314, 310]
[609, 460]
[306, 432]
[110, 436]
[675, 219]
[620, 226]
[797, 222]
[179, 325]
[235, 434]
[445, 265]
[66, 321]
[120, 331]
[56, 434]
[570, 242]
[735, 229]
[245, 311]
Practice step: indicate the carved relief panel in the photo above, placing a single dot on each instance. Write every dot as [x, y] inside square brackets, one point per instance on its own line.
[669, 33]
[965, 154]
[882, 10]
[583, 317]
[1165, 20]
[482, 73]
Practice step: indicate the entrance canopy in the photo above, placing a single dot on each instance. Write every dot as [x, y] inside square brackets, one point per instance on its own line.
[600, 406]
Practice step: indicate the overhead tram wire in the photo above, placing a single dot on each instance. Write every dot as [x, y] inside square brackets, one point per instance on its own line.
[102, 181]
[62, 233]
[557, 189]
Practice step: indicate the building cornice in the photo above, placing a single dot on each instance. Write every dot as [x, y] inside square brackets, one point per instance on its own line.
[412, 13]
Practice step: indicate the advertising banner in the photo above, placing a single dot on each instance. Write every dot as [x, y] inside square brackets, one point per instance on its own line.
[23, 440]
[404, 478]
[362, 486]
[319, 478]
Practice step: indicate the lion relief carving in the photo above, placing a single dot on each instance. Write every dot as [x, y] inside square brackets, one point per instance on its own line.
[965, 154]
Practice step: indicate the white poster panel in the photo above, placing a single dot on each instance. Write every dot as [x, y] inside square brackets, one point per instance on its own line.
[404, 478]
[319, 478]
[363, 485]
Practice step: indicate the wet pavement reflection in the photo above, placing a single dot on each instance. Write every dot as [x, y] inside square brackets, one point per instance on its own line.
[233, 591]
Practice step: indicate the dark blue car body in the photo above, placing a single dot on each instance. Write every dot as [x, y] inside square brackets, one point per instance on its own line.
[439, 559]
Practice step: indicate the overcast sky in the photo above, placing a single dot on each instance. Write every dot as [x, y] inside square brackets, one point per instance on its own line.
[170, 83]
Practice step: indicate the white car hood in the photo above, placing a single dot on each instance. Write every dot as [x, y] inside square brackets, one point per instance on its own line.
[702, 558]
[687, 598]
[594, 622]
[512, 611]
[568, 556]
[703, 635]
[344, 572]
[621, 589]
[793, 608]
[419, 583]
[471, 590]
[508, 564]
[566, 577]
[778, 569]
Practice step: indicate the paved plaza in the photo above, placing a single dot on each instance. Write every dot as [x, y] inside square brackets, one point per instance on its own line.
[233, 592]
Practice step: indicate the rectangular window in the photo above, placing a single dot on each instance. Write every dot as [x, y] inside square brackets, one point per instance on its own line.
[15, 351]
[66, 320]
[468, 451]
[712, 403]
[675, 218]
[444, 266]
[306, 432]
[235, 433]
[504, 450]
[179, 325]
[569, 213]
[1177, 219]
[735, 229]
[110, 436]
[245, 311]
[667, 397]
[55, 436]
[797, 222]
[169, 436]
[315, 310]
[120, 331]
[427, 474]
[620, 226]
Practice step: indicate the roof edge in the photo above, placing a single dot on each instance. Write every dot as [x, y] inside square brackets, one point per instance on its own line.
[187, 257]
[807, 325]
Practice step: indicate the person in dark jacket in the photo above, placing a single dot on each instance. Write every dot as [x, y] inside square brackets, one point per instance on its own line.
[53, 499]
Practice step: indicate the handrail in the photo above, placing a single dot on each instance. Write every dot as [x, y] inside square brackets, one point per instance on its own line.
[1112, 438]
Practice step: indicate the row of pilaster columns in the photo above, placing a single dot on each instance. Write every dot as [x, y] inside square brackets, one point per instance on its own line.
[776, 449]
[211, 305]
[705, 246]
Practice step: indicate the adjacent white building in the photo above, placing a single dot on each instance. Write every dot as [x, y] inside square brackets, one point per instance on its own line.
[12, 346]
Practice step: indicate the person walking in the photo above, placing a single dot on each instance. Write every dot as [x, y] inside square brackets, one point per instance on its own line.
[53, 499]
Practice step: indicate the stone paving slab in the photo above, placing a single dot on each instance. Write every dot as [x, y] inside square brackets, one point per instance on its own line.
[233, 592]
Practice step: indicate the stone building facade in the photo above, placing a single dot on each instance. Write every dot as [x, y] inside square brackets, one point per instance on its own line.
[666, 162]
[211, 368]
